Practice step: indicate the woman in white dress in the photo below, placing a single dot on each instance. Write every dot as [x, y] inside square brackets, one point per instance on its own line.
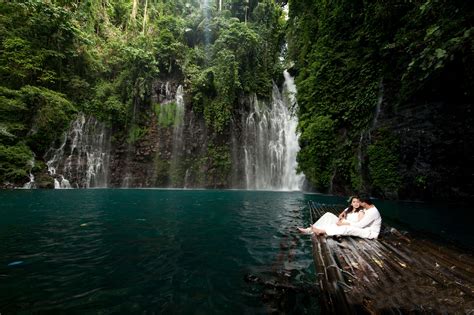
[367, 224]
[353, 213]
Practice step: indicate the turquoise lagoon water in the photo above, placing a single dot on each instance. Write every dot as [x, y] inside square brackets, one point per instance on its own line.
[140, 251]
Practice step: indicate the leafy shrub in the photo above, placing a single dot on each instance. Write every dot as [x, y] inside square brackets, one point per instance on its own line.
[14, 162]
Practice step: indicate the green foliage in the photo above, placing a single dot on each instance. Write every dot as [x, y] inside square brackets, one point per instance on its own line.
[37, 44]
[165, 114]
[218, 164]
[161, 170]
[347, 53]
[356, 181]
[236, 60]
[339, 79]
[31, 119]
[53, 113]
[107, 103]
[14, 114]
[316, 156]
[202, 89]
[21, 62]
[14, 162]
[44, 181]
[383, 164]
[103, 57]
[168, 44]
[177, 172]
[136, 133]
[226, 81]
[436, 34]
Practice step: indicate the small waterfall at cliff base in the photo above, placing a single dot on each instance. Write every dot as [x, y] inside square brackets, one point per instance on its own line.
[178, 149]
[178, 127]
[270, 142]
[31, 184]
[82, 158]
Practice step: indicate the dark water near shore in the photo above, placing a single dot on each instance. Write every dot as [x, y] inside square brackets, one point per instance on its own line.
[178, 251]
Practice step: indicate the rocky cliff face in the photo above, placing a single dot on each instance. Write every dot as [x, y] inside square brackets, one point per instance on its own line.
[435, 149]
[169, 144]
[433, 141]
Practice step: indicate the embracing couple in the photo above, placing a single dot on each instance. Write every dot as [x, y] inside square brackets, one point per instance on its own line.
[360, 219]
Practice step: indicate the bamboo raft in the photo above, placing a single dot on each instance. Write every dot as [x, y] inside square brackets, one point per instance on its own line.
[391, 275]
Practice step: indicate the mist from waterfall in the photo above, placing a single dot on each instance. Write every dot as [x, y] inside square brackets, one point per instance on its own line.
[206, 9]
[82, 157]
[270, 141]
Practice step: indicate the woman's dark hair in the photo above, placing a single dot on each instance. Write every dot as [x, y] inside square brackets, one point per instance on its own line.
[351, 208]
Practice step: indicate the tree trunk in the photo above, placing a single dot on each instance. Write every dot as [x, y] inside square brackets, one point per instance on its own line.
[133, 15]
[145, 17]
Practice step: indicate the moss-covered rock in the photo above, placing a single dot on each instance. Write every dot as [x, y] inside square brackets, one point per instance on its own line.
[44, 181]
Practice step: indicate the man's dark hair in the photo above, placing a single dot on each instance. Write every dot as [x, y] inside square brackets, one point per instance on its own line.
[365, 198]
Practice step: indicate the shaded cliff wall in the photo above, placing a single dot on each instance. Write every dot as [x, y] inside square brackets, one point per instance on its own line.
[433, 136]
[385, 96]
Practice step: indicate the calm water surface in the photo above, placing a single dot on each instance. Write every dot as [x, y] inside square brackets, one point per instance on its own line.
[177, 251]
[131, 251]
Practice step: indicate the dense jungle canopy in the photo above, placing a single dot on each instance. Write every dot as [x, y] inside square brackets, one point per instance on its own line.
[384, 87]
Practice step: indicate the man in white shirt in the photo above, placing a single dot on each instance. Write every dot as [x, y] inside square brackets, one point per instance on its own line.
[367, 227]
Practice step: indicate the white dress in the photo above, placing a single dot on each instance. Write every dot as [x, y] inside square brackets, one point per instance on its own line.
[352, 217]
[367, 227]
[329, 218]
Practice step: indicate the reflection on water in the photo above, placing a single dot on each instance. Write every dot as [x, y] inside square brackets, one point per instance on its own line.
[130, 251]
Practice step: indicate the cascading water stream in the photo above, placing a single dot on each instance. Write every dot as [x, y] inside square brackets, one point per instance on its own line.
[178, 121]
[178, 126]
[270, 141]
[31, 183]
[83, 156]
[128, 177]
[294, 181]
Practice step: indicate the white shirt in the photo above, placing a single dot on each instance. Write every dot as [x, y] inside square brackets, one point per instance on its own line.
[371, 220]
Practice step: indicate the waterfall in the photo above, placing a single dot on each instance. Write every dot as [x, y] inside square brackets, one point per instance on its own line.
[31, 183]
[365, 135]
[178, 124]
[82, 157]
[178, 119]
[270, 141]
[377, 109]
[165, 90]
[186, 178]
[127, 173]
[294, 181]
